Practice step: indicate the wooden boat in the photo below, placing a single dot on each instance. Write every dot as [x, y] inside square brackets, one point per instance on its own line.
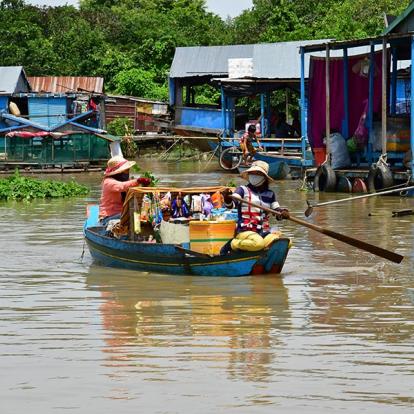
[277, 170]
[231, 159]
[273, 153]
[175, 259]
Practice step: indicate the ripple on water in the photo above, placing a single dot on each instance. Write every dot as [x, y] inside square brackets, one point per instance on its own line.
[334, 333]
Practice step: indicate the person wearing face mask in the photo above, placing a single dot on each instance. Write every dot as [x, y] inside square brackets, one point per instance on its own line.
[257, 191]
[115, 185]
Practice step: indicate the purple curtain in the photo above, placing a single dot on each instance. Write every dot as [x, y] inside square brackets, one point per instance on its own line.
[358, 94]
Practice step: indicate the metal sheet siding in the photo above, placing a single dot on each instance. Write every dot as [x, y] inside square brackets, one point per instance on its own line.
[206, 60]
[47, 111]
[4, 100]
[270, 60]
[280, 60]
[38, 111]
[119, 108]
[57, 111]
[13, 80]
[67, 84]
[203, 118]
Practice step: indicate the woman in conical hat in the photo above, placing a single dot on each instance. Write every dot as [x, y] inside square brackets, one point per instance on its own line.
[115, 184]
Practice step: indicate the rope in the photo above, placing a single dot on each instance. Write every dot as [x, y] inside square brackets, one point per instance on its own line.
[83, 252]
[382, 160]
[213, 153]
[169, 148]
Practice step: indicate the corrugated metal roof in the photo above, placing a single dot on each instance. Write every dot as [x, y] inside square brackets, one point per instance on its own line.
[13, 80]
[270, 60]
[206, 60]
[66, 84]
[280, 60]
[283, 62]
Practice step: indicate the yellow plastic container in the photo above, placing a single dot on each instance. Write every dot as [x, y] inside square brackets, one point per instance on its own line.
[210, 236]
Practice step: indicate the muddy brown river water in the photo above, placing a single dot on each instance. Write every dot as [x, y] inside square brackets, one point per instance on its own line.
[334, 333]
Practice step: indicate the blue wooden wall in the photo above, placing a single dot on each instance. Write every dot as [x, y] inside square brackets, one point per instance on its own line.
[203, 118]
[47, 111]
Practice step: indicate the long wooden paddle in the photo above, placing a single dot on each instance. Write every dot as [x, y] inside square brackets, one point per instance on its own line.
[379, 251]
[310, 208]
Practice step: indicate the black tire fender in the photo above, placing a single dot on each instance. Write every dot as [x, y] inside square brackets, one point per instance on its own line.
[325, 179]
[230, 158]
[379, 177]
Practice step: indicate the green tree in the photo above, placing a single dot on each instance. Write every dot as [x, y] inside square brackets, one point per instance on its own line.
[131, 43]
[141, 83]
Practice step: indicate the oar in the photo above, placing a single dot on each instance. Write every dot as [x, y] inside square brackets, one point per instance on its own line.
[379, 251]
[310, 208]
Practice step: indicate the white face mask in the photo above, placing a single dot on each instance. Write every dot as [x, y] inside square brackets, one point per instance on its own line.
[256, 180]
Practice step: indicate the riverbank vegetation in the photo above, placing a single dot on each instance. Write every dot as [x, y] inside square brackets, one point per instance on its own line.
[18, 187]
[131, 43]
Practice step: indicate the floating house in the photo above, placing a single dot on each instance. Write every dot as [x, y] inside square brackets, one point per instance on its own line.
[146, 115]
[46, 121]
[236, 71]
[362, 101]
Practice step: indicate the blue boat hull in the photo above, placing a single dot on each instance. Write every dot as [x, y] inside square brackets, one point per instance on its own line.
[164, 258]
[277, 170]
[290, 161]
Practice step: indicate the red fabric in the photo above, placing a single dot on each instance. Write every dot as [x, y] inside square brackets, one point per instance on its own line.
[358, 95]
[26, 134]
[92, 105]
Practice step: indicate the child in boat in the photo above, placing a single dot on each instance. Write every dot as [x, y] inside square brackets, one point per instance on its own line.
[115, 185]
[246, 143]
[252, 220]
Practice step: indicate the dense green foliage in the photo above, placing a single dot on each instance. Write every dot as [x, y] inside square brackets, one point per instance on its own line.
[17, 187]
[120, 126]
[131, 43]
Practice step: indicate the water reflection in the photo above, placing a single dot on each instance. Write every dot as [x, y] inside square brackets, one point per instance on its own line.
[334, 332]
[364, 307]
[235, 322]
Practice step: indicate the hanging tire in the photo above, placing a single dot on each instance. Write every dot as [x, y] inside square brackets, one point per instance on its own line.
[230, 158]
[379, 177]
[343, 185]
[359, 186]
[325, 179]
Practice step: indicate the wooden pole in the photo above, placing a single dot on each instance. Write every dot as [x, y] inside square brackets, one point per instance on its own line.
[223, 112]
[412, 109]
[287, 104]
[303, 103]
[328, 103]
[345, 129]
[131, 209]
[394, 74]
[370, 115]
[262, 116]
[384, 98]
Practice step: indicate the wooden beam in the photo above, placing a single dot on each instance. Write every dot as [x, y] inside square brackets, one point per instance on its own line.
[384, 98]
[327, 101]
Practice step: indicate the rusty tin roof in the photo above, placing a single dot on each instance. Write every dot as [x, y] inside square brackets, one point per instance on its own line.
[66, 84]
